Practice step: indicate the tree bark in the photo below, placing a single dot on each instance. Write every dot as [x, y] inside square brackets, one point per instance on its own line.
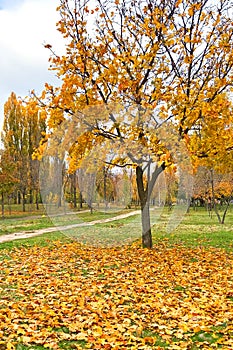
[3, 206]
[30, 196]
[225, 212]
[18, 197]
[80, 200]
[105, 188]
[144, 193]
[24, 200]
[146, 226]
[74, 190]
[9, 204]
[145, 209]
[37, 200]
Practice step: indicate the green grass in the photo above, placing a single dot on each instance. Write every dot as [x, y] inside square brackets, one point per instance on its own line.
[64, 344]
[42, 240]
[196, 229]
[114, 233]
[17, 224]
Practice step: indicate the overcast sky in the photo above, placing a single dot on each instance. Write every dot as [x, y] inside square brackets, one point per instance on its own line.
[25, 25]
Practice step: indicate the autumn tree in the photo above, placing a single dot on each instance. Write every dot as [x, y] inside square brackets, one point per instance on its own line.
[136, 73]
[212, 143]
[15, 142]
[23, 128]
[36, 132]
[8, 180]
[214, 189]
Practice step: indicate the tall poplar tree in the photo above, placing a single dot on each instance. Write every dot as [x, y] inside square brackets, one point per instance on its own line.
[22, 128]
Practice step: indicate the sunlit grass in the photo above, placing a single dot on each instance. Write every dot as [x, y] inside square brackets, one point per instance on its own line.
[196, 229]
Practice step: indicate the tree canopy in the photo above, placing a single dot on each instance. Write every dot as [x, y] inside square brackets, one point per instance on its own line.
[140, 78]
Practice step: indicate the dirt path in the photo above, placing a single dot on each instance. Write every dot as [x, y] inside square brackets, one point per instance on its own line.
[29, 234]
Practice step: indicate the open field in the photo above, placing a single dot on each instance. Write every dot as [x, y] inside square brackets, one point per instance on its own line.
[17, 223]
[58, 293]
[196, 229]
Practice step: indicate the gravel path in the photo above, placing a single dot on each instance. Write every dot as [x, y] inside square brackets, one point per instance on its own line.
[29, 234]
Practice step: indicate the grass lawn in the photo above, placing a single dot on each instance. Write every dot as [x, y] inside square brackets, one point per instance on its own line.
[198, 229]
[58, 293]
[18, 223]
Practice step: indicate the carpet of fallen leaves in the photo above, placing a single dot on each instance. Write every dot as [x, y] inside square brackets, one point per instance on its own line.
[71, 296]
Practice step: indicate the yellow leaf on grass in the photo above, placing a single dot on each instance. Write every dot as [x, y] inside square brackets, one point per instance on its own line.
[10, 346]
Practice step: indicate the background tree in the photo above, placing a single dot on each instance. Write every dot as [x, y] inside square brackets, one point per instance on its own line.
[36, 131]
[24, 126]
[165, 62]
[15, 142]
[214, 189]
[212, 143]
[8, 180]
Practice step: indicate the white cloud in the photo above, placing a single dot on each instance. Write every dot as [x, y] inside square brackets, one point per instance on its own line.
[25, 25]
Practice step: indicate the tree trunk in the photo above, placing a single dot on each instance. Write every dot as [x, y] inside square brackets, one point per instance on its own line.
[3, 211]
[59, 200]
[75, 197]
[145, 209]
[225, 212]
[226, 209]
[24, 201]
[144, 193]
[37, 200]
[80, 200]
[146, 226]
[9, 205]
[18, 197]
[30, 196]
[105, 188]
[74, 189]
